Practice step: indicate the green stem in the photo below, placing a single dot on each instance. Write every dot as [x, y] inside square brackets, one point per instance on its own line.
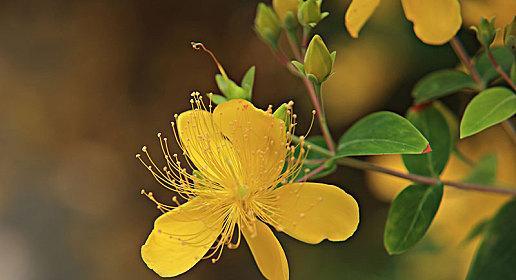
[322, 119]
[363, 165]
[293, 41]
[304, 40]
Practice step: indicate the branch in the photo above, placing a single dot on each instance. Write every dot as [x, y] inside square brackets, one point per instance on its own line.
[466, 61]
[499, 69]
[363, 165]
[312, 173]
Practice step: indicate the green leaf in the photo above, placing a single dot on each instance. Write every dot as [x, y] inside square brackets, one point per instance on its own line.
[451, 119]
[248, 82]
[496, 256]
[382, 133]
[441, 83]
[299, 66]
[314, 159]
[433, 125]
[484, 171]
[488, 108]
[229, 88]
[410, 215]
[476, 231]
[222, 85]
[217, 99]
[503, 57]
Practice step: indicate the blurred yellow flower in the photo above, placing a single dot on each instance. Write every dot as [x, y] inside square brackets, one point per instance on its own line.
[473, 10]
[240, 155]
[502, 10]
[435, 21]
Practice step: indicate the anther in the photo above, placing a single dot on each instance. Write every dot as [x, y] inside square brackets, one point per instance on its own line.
[144, 148]
[313, 112]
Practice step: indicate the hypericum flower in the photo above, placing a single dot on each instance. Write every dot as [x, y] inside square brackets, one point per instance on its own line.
[243, 166]
[435, 21]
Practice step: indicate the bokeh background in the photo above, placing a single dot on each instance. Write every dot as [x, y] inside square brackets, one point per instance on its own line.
[84, 84]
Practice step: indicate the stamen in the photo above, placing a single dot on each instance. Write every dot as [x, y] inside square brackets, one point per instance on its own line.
[200, 46]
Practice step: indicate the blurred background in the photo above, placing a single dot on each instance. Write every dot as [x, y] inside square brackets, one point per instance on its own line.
[85, 84]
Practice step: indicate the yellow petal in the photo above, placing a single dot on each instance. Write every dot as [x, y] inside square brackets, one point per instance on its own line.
[435, 21]
[312, 212]
[358, 13]
[205, 145]
[267, 251]
[258, 138]
[180, 238]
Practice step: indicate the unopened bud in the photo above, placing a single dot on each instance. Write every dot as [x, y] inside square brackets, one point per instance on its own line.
[309, 13]
[509, 36]
[486, 32]
[318, 60]
[267, 25]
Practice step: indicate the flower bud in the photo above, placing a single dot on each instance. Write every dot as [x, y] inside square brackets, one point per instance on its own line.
[318, 60]
[509, 36]
[309, 13]
[283, 7]
[486, 32]
[267, 25]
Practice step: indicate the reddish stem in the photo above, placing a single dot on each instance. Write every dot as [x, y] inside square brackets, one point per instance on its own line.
[499, 69]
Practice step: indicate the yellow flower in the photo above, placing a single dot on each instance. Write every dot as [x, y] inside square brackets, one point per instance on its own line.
[244, 165]
[435, 21]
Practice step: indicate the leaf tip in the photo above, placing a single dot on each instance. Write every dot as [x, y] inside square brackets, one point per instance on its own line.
[427, 150]
[420, 106]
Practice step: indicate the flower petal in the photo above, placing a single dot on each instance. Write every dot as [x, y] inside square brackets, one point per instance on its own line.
[312, 212]
[180, 238]
[435, 21]
[359, 11]
[205, 145]
[267, 251]
[258, 138]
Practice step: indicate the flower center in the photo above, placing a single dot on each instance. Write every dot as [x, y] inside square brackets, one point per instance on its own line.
[242, 192]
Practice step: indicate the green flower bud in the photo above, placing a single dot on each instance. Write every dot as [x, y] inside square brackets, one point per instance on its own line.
[486, 32]
[318, 60]
[309, 13]
[283, 7]
[267, 25]
[509, 36]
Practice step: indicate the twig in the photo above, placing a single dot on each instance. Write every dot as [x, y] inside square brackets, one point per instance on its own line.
[466, 61]
[312, 173]
[363, 165]
[499, 69]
